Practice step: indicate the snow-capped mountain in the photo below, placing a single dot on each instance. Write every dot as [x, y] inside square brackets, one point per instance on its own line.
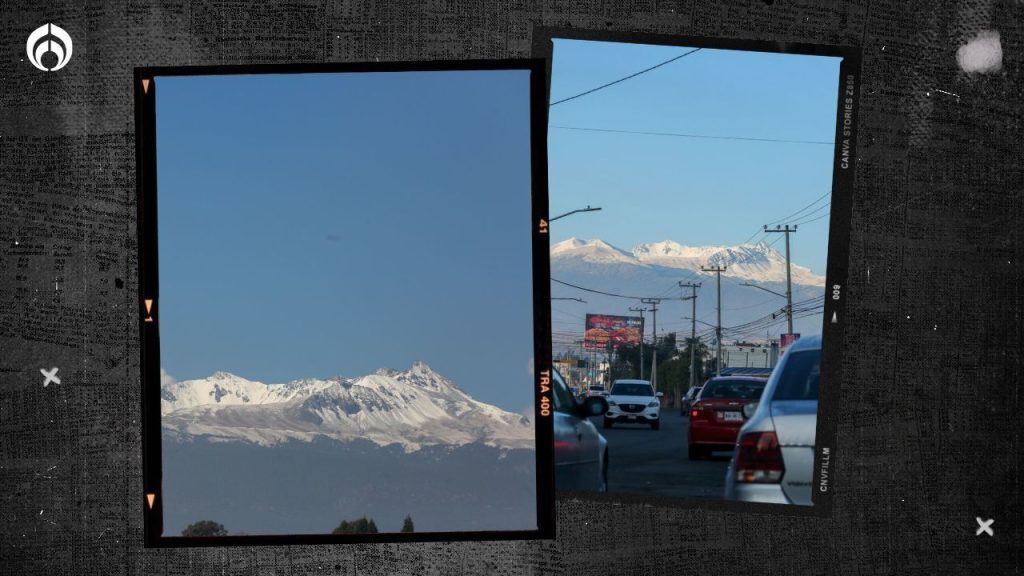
[749, 262]
[597, 251]
[656, 269]
[414, 408]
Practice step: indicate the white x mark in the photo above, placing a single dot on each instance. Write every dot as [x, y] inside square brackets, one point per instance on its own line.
[51, 376]
[985, 526]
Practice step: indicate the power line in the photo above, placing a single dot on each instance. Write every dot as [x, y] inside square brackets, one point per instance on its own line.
[802, 222]
[777, 317]
[816, 200]
[608, 293]
[644, 71]
[810, 214]
[683, 135]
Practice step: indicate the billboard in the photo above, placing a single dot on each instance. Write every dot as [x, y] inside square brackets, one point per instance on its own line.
[602, 328]
[786, 339]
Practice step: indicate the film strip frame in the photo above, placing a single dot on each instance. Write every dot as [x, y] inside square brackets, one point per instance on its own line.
[145, 89]
[834, 316]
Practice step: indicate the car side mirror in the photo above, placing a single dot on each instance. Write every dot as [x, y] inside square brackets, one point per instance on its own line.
[594, 406]
[660, 394]
[749, 409]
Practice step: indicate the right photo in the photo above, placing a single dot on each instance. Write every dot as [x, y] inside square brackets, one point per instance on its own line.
[690, 202]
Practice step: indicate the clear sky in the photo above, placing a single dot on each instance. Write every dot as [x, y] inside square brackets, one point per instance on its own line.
[322, 224]
[694, 191]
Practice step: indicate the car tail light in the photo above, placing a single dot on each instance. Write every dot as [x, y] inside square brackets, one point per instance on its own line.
[759, 459]
[700, 410]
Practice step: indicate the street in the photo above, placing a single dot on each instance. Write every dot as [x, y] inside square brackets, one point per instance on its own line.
[654, 462]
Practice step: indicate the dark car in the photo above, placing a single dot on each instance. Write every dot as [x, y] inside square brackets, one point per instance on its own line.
[581, 452]
[687, 402]
[717, 413]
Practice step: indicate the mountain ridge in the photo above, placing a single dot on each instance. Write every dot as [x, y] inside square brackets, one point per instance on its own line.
[414, 408]
[754, 262]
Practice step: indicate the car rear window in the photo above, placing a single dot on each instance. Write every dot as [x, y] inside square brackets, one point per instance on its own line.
[800, 376]
[742, 389]
[632, 390]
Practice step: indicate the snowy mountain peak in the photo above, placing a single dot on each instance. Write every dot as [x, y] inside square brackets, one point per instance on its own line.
[567, 245]
[667, 249]
[222, 376]
[413, 408]
[596, 250]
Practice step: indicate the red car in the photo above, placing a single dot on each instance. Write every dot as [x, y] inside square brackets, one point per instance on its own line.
[717, 413]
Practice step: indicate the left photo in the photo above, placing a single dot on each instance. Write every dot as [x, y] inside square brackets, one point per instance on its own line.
[346, 303]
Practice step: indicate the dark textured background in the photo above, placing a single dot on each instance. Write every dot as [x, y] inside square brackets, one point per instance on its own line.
[930, 429]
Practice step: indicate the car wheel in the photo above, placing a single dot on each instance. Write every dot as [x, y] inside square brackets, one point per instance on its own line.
[607, 423]
[655, 425]
[696, 453]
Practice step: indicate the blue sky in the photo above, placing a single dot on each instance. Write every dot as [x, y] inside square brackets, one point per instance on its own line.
[321, 224]
[693, 191]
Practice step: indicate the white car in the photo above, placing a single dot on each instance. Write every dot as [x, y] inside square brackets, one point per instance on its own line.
[773, 459]
[581, 453]
[634, 402]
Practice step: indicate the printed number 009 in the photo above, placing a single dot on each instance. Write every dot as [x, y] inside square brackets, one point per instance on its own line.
[835, 291]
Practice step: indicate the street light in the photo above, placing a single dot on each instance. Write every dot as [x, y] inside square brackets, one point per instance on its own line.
[587, 209]
[763, 288]
[701, 321]
[788, 307]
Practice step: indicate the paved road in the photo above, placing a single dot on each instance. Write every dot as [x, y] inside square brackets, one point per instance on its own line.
[654, 462]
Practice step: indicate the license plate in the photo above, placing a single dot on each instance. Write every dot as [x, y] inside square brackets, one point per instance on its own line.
[632, 417]
[731, 416]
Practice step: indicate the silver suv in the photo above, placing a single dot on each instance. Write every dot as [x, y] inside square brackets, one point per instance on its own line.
[773, 460]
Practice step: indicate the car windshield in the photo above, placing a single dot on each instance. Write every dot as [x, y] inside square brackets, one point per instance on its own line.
[625, 389]
[800, 376]
[741, 389]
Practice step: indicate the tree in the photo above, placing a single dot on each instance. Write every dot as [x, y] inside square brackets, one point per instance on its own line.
[362, 525]
[204, 528]
[407, 525]
[701, 360]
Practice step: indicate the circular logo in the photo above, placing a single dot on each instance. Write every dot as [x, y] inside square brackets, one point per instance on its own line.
[49, 39]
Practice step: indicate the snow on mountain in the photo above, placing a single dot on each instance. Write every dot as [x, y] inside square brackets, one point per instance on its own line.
[414, 408]
[752, 262]
[594, 251]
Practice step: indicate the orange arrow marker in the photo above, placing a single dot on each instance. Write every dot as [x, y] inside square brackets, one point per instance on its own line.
[151, 498]
[145, 85]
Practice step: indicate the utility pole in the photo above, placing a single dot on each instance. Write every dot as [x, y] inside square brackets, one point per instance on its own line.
[608, 381]
[654, 313]
[641, 311]
[718, 329]
[789, 280]
[693, 331]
